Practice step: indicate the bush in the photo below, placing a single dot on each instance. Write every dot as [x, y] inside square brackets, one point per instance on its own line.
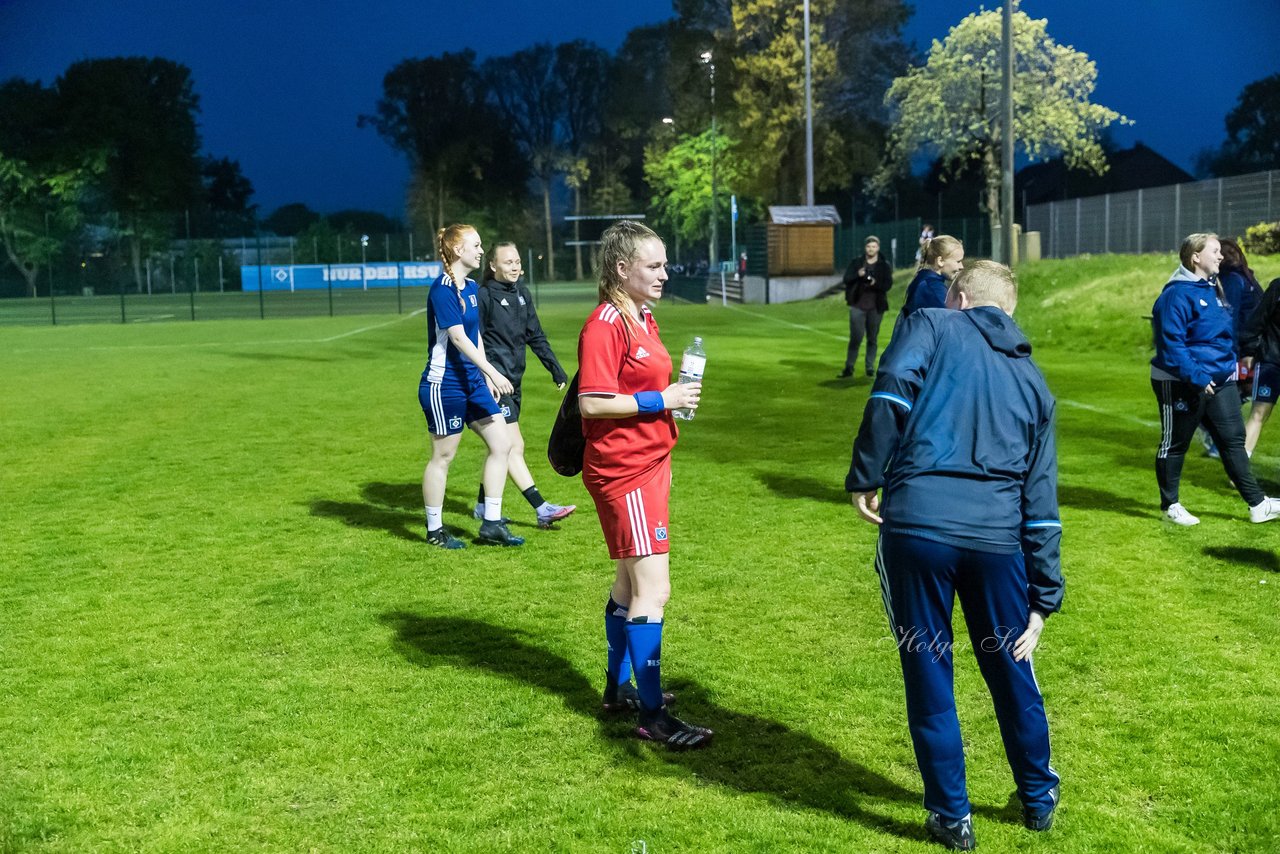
[1262, 239]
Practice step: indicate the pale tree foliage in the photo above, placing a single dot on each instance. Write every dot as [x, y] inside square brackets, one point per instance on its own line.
[950, 107]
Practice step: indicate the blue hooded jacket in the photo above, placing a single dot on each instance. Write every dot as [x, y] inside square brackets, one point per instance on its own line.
[959, 431]
[1193, 333]
[927, 290]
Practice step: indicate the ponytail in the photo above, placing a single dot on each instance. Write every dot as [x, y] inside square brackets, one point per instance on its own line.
[937, 248]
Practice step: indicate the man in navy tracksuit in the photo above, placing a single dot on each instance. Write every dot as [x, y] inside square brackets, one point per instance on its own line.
[1193, 374]
[959, 432]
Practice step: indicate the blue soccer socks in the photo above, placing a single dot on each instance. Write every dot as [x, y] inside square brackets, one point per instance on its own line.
[644, 640]
[615, 632]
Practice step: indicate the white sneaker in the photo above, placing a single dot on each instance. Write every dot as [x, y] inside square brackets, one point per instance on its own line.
[1265, 510]
[1178, 515]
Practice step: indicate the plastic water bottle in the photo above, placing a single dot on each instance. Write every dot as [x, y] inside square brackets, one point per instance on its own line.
[691, 368]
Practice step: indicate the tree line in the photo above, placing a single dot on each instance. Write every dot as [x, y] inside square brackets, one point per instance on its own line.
[112, 146]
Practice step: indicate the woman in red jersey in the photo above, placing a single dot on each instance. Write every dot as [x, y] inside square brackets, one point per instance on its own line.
[626, 397]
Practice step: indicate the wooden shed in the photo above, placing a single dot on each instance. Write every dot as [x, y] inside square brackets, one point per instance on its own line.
[802, 240]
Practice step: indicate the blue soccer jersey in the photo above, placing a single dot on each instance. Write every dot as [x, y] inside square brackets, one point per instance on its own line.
[447, 307]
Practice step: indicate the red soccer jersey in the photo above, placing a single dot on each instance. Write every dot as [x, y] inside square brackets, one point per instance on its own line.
[614, 357]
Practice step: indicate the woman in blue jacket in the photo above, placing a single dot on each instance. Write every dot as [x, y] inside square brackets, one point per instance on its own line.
[1193, 375]
[940, 259]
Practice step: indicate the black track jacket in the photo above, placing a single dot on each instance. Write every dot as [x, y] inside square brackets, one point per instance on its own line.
[508, 322]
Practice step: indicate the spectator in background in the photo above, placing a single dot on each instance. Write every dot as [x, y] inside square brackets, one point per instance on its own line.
[926, 234]
[508, 324]
[1260, 352]
[1238, 288]
[1193, 375]
[941, 258]
[866, 283]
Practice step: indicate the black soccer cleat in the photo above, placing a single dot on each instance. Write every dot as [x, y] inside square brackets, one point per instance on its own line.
[496, 533]
[1044, 820]
[955, 835]
[443, 539]
[665, 728]
[625, 697]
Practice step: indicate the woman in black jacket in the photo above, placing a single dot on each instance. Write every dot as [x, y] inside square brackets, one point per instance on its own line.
[866, 282]
[1260, 353]
[509, 323]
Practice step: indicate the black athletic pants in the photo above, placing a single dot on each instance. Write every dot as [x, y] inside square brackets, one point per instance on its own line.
[1182, 407]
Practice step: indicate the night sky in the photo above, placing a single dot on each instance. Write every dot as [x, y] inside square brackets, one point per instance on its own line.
[281, 83]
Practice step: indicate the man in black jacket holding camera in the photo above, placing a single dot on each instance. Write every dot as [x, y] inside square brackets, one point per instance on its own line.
[866, 282]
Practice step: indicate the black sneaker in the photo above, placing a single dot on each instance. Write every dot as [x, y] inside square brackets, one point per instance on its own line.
[442, 538]
[665, 728]
[845, 374]
[955, 835]
[496, 533]
[871, 372]
[626, 698]
[1044, 820]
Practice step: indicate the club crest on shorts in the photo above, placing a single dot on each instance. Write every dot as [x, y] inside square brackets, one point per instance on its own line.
[1264, 391]
[455, 423]
[660, 533]
[506, 411]
[1181, 406]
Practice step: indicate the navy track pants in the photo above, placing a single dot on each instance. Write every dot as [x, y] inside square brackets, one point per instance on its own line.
[919, 580]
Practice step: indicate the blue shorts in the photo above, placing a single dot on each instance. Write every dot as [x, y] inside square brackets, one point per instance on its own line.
[449, 409]
[1266, 382]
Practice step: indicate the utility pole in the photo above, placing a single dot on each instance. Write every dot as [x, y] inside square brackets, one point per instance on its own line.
[1006, 157]
[808, 113]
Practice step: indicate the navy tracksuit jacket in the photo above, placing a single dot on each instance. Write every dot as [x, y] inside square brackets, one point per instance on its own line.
[927, 290]
[959, 433]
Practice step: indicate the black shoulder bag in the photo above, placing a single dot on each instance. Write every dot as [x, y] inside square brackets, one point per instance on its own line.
[567, 445]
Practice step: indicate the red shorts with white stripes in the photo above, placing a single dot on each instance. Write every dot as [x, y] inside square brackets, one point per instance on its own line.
[635, 523]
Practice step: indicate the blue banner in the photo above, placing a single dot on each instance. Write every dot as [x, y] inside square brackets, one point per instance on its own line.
[312, 277]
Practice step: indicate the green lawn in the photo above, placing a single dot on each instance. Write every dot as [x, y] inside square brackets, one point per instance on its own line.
[222, 629]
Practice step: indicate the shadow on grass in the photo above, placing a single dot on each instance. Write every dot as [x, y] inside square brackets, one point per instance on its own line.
[1089, 498]
[278, 357]
[786, 485]
[1260, 558]
[392, 507]
[750, 754]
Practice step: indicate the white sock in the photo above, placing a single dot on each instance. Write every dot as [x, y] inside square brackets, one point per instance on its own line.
[434, 522]
[492, 509]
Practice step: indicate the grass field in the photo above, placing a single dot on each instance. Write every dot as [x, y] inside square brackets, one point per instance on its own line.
[222, 629]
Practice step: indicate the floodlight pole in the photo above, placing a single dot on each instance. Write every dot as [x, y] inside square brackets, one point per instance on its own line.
[715, 230]
[364, 260]
[808, 113]
[1006, 155]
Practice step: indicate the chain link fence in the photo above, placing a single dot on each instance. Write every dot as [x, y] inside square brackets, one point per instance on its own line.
[1155, 219]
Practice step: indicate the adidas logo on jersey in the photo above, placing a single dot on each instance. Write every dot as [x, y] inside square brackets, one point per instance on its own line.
[642, 353]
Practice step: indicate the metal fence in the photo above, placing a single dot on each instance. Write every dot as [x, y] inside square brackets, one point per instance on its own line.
[190, 306]
[900, 239]
[1155, 219]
